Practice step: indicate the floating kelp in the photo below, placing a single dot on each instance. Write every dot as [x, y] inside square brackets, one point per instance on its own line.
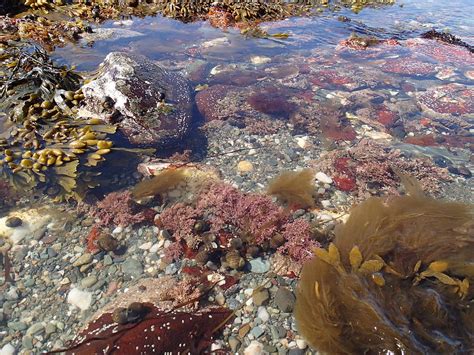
[396, 280]
[447, 38]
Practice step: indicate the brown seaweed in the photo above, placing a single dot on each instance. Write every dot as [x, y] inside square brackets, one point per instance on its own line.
[396, 280]
[159, 184]
[294, 187]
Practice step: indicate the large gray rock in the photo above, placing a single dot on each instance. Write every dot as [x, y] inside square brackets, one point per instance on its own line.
[151, 105]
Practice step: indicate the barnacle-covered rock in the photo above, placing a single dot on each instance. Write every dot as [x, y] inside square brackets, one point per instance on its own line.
[151, 105]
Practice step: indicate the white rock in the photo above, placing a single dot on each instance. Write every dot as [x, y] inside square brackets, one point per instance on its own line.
[146, 246]
[302, 142]
[326, 203]
[216, 42]
[378, 135]
[263, 314]
[320, 176]
[7, 349]
[257, 60]
[117, 230]
[301, 344]
[80, 299]
[254, 348]
[154, 248]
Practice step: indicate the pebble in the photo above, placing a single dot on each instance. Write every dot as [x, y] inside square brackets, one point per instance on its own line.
[259, 266]
[244, 166]
[254, 348]
[263, 314]
[220, 299]
[243, 330]
[80, 299]
[258, 59]
[301, 344]
[284, 299]
[260, 296]
[296, 351]
[146, 246]
[88, 281]
[233, 342]
[17, 326]
[13, 222]
[7, 349]
[108, 260]
[50, 328]
[117, 230]
[27, 342]
[257, 331]
[132, 268]
[322, 177]
[83, 259]
[35, 328]
[154, 248]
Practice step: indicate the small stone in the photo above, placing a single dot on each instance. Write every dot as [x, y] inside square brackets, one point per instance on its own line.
[80, 299]
[108, 260]
[243, 330]
[34, 329]
[258, 60]
[7, 349]
[296, 351]
[83, 259]
[171, 269]
[257, 331]
[107, 243]
[17, 326]
[263, 314]
[88, 281]
[220, 299]
[154, 248]
[301, 344]
[132, 268]
[12, 294]
[284, 299]
[13, 222]
[244, 166]
[302, 142]
[27, 342]
[234, 344]
[254, 348]
[145, 246]
[260, 296]
[322, 177]
[50, 328]
[117, 230]
[259, 266]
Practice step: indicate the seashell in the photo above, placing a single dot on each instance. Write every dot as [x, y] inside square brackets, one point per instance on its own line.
[47, 105]
[27, 163]
[199, 226]
[35, 156]
[59, 161]
[77, 144]
[202, 257]
[8, 158]
[104, 144]
[43, 160]
[107, 243]
[234, 260]
[120, 316]
[277, 240]
[8, 152]
[37, 166]
[236, 243]
[102, 151]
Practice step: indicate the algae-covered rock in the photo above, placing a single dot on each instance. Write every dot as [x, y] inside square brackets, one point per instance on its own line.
[151, 105]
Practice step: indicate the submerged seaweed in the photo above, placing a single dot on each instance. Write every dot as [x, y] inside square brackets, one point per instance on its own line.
[395, 280]
[294, 187]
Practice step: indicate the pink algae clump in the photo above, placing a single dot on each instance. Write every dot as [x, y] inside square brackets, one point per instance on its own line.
[453, 99]
[408, 66]
[120, 209]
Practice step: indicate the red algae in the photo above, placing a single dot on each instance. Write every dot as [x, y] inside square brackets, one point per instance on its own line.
[408, 66]
[272, 101]
[452, 99]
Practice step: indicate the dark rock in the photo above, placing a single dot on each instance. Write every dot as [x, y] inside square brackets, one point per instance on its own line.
[13, 222]
[284, 300]
[152, 105]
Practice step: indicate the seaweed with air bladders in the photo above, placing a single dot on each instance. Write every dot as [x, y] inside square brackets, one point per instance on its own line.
[396, 278]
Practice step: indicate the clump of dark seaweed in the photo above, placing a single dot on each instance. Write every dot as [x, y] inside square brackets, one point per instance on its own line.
[447, 38]
[397, 279]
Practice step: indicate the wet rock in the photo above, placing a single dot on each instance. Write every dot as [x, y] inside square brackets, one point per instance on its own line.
[7, 349]
[132, 268]
[260, 297]
[234, 344]
[80, 299]
[83, 260]
[35, 328]
[13, 222]
[259, 265]
[207, 101]
[151, 105]
[450, 99]
[284, 300]
[88, 281]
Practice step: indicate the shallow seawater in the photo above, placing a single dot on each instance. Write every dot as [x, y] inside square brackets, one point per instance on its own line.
[354, 98]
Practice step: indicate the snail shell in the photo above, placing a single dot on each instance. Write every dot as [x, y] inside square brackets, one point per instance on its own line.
[120, 316]
[277, 241]
[107, 243]
[202, 257]
[234, 260]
